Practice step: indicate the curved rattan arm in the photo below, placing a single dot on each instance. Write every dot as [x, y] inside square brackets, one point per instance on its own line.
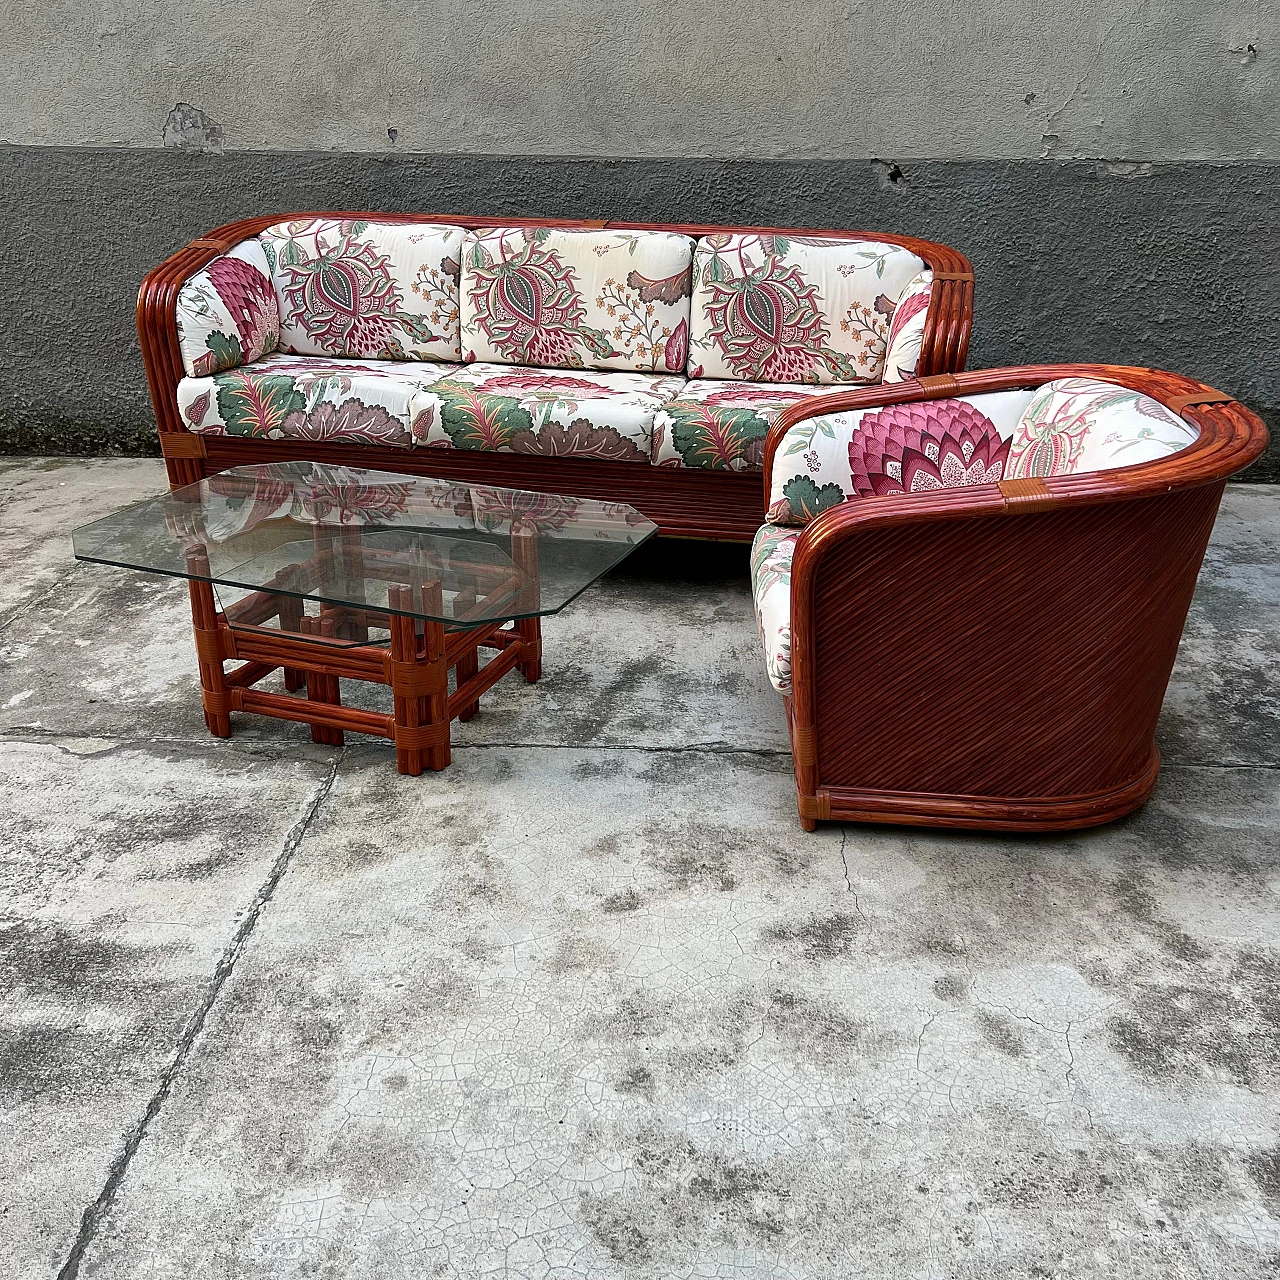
[888, 531]
[1173, 390]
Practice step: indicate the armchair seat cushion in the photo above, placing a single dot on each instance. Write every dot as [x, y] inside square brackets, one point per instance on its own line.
[582, 412]
[720, 425]
[771, 554]
[286, 397]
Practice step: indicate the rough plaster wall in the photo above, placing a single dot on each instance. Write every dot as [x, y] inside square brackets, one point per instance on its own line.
[1132, 79]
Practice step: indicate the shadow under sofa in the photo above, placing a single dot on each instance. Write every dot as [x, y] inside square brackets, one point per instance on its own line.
[250, 333]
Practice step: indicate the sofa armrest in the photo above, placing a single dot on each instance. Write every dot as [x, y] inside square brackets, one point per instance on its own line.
[157, 319]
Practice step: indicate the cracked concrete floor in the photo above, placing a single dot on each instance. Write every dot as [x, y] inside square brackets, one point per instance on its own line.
[590, 1004]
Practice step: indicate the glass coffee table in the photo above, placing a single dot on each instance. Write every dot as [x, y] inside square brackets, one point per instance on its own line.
[337, 573]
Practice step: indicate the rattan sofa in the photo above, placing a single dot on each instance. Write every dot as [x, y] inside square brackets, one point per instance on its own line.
[971, 589]
[632, 362]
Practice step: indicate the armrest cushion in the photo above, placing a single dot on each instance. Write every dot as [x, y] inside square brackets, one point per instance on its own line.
[900, 448]
[1074, 425]
[906, 329]
[227, 313]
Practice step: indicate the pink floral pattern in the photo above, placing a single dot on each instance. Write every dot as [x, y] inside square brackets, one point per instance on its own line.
[576, 299]
[1074, 425]
[364, 288]
[227, 313]
[721, 426]
[507, 408]
[906, 329]
[934, 444]
[283, 397]
[783, 308]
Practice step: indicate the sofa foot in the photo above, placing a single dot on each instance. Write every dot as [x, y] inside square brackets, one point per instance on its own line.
[808, 824]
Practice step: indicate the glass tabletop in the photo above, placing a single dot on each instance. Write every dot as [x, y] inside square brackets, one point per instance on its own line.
[369, 542]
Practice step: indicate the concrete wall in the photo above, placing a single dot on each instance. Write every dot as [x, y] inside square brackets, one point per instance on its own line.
[1136, 79]
[1110, 168]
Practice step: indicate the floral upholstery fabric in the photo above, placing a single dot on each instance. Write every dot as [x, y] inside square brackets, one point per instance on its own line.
[576, 299]
[721, 425]
[366, 289]
[509, 408]
[781, 308]
[903, 448]
[906, 329]
[1084, 424]
[771, 555]
[227, 313]
[282, 397]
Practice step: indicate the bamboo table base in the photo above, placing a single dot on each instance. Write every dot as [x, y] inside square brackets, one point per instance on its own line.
[335, 646]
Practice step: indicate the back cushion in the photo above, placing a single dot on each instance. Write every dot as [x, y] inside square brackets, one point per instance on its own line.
[227, 314]
[560, 298]
[1075, 425]
[900, 448]
[363, 288]
[782, 308]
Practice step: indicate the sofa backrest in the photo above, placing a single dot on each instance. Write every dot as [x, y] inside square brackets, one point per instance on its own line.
[781, 308]
[1073, 425]
[568, 298]
[367, 289]
[227, 313]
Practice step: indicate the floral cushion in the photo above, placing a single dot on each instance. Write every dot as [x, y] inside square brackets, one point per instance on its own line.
[1084, 424]
[284, 397]
[771, 554]
[721, 425]
[227, 313]
[516, 409]
[902, 448]
[573, 299]
[906, 329]
[362, 288]
[782, 308]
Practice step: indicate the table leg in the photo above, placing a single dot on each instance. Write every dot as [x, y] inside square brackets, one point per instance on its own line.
[419, 683]
[291, 624]
[524, 555]
[204, 620]
[321, 687]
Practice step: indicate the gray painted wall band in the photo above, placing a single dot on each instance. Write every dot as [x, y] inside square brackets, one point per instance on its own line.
[1171, 265]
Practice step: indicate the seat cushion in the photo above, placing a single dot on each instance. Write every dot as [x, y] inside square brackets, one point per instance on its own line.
[903, 448]
[1073, 425]
[227, 313]
[771, 554]
[559, 297]
[721, 425]
[360, 288]
[511, 408]
[784, 308]
[284, 397]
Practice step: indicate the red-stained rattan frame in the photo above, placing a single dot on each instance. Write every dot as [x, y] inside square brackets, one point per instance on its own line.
[682, 502]
[995, 657]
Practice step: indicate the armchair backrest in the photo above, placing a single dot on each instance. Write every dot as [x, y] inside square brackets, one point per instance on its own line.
[1066, 426]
